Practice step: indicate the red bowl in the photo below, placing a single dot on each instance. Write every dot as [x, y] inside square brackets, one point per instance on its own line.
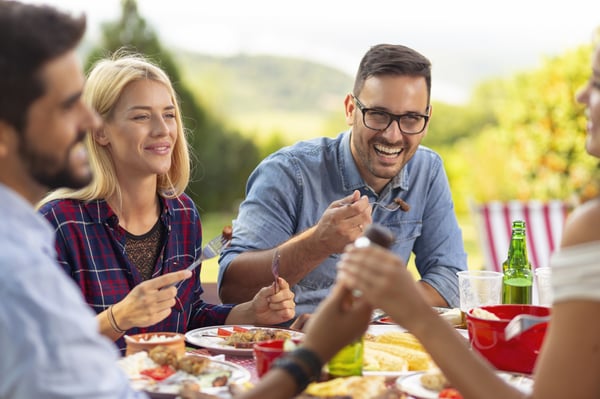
[518, 354]
[266, 352]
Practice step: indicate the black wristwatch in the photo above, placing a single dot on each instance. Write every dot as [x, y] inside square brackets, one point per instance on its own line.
[294, 369]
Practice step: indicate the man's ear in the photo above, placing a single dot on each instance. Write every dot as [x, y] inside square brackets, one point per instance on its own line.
[7, 138]
[349, 109]
[100, 136]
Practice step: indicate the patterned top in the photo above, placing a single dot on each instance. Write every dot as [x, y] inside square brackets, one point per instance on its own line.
[91, 248]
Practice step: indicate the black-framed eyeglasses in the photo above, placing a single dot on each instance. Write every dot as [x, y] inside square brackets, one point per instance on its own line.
[377, 119]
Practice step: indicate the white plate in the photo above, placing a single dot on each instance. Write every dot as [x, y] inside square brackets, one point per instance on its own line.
[378, 329]
[389, 373]
[411, 384]
[207, 337]
[169, 388]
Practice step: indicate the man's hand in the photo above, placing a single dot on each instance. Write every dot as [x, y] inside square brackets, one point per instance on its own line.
[273, 306]
[342, 222]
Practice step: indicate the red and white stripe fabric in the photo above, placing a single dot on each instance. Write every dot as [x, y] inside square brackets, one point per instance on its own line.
[544, 223]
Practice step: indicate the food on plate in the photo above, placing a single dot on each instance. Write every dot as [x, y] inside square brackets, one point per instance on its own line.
[159, 373]
[162, 370]
[194, 365]
[484, 314]
[365, 387]
[155, 338]
[163, 355]
[434, 380]
[378, 360]
[246, 338]
[401, 338]
[453, 316]
[418, 360]
[450, 393]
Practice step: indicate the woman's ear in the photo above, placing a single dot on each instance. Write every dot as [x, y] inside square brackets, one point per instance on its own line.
[100, 136]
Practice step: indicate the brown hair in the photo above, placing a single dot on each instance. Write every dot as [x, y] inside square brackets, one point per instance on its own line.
[30, 36]
[392, 59]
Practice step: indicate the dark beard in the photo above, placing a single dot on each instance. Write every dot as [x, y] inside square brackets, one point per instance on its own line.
[43, 168]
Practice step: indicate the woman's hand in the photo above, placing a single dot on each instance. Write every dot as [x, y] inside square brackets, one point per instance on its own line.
[338, 320]
[274, 307]
[382, 278]
[149, 302]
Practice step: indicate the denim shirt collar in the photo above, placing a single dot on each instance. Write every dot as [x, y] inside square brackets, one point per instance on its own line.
[351, 178]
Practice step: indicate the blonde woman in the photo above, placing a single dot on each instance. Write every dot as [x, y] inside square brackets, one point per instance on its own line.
[127, 238]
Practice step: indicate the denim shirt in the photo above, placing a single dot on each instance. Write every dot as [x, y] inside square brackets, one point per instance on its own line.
[289, 191]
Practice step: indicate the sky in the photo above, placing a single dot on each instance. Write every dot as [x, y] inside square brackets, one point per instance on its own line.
[467, 41]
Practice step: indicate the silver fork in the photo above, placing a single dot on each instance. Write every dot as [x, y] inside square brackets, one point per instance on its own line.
[521, 323]
[394, 206]
[214, 247]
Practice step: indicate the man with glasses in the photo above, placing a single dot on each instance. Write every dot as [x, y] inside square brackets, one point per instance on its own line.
[306, 202]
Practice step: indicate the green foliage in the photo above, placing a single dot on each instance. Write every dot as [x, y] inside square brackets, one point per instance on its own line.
[450, 123]
[222, 158]
[532, 146]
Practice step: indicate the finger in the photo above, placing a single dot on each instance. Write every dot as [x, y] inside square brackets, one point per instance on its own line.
[348, 200]
[169, 279]
[283, 284]
[300, 322]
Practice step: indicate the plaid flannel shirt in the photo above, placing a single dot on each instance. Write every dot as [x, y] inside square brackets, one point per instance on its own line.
[91, 248]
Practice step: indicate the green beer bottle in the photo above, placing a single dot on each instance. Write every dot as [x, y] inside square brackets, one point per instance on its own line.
[518, 277]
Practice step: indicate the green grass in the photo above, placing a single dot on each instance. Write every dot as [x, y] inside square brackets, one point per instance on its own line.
[212, 224]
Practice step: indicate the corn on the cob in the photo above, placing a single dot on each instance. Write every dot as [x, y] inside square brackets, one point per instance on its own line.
[377, 360]
[417, 360]
[404, 339]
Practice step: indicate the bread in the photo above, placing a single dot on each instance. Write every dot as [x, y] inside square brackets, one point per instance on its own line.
[365, 387]
[434, 380]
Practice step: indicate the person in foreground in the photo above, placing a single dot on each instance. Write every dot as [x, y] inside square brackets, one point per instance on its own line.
[127, 238]
[49, 337]
[569, 363]
[306, 202]
[296, 369]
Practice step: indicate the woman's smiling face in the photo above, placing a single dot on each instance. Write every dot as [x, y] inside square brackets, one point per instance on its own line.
[142, 129]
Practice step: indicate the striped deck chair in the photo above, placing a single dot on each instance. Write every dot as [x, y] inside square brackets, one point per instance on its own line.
[544, 223]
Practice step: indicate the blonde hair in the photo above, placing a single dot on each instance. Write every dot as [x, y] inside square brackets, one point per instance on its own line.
[103, 88]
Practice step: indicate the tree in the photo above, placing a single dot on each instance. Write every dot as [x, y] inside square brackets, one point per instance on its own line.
[222, 159]
[535, 149]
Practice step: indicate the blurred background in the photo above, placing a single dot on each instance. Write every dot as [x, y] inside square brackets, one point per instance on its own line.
[255, 76]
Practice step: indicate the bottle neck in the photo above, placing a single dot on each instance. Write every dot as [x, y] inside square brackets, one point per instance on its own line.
[517, 253]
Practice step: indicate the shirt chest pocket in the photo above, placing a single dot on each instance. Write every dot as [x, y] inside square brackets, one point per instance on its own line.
[405, 233]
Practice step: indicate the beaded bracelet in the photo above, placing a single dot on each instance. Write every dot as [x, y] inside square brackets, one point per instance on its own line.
[113, 322]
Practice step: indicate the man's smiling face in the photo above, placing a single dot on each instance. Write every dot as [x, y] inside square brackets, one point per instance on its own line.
[381, 155]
